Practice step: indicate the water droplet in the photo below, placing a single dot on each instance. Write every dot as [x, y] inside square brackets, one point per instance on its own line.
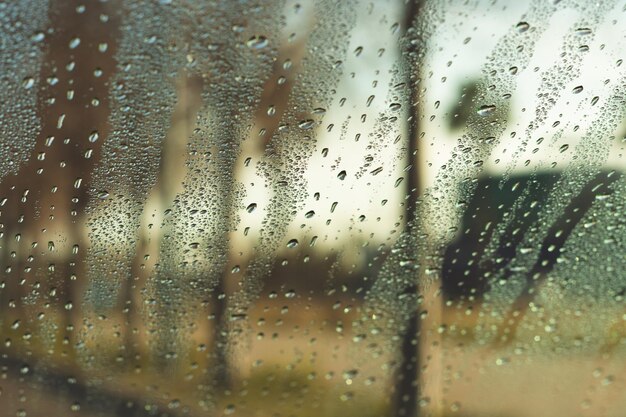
[342, 175]
[486, 110]
[251, 207]
[103, 195]
[306, 124]
[74, 43]
[522, 27]
[577, 89]
[583, 31]
[292, 243]
[38, 37]
[257, 42]
[28, 83]
[309, 214]
[395, 106]
[563, 148]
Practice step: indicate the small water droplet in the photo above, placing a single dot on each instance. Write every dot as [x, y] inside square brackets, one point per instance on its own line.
[486, 110]
[583, 31]
[577, 89]
[342, 175]
[257, 42]
[28, 83]
[38, 37]
[251, 207]
[74, 43]
[292, 243]
[395, 106]
[309, 214]
[563, 148]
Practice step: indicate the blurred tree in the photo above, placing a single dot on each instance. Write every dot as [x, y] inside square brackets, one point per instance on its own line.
[46, 198]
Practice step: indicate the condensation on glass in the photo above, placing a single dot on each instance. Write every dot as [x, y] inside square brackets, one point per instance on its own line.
[312, 208]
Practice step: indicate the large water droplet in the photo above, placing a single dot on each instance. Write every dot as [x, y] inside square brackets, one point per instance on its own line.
[522, 27]
[306, 124]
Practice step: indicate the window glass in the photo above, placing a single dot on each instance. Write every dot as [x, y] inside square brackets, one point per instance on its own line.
[304, 208]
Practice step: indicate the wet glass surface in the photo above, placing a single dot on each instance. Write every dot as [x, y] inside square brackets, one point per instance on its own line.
[312, 208]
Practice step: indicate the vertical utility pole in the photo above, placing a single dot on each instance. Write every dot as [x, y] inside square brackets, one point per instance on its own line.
[405, 401]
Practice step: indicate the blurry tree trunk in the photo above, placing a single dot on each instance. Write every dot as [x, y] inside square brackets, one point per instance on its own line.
[169, 185]
[226, 153]
[275, 94]
[50, 190]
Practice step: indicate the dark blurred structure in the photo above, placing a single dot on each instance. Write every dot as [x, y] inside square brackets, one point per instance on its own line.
[500, 213]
